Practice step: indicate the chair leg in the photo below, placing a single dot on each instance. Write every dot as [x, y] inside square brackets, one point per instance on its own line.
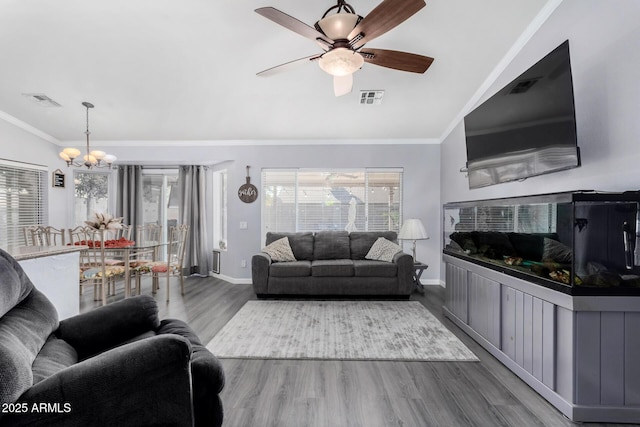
[168, 281]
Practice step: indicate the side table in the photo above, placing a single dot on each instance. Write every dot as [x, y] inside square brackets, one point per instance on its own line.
[419, 268]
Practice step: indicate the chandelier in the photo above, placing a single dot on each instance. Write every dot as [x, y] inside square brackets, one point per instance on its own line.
[95, 158]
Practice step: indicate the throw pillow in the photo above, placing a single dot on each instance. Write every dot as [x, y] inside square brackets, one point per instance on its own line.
[556, 251]
[280, 250]
[383, 250]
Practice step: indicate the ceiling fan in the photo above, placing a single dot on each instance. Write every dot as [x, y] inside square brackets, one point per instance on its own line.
[343, 34]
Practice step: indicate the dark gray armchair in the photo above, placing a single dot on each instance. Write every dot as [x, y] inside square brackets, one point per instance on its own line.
[118, 365]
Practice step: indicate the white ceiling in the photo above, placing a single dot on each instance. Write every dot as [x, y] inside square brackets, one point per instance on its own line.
[186, 69]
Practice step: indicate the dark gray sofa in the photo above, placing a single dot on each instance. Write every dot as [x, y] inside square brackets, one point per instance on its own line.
[332, 263]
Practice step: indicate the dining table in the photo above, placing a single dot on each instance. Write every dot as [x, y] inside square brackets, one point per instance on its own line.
[128, 252]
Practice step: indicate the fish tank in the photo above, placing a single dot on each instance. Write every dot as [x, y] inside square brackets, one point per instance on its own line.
[581, 243]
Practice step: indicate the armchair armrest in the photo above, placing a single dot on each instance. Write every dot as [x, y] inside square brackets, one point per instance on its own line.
[404, 262]
[260, 272]
[141, 383]
[110, 325]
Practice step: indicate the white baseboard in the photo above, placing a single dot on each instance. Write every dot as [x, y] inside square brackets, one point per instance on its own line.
[247, 281]
[431, 282]
[229, 279]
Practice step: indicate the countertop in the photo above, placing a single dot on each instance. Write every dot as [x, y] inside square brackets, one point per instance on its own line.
[30, 252]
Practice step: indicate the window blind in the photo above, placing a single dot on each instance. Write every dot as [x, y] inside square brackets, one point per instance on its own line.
[23, 201]
[315, 200]
[536, 218]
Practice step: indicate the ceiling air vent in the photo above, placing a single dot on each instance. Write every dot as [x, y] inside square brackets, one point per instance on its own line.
[371, 97]
[41, 99]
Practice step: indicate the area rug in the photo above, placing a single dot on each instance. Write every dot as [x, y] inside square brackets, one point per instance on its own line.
[342, 330]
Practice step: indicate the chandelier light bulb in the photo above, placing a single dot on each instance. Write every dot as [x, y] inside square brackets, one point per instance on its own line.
[72, 153]
[99, 155]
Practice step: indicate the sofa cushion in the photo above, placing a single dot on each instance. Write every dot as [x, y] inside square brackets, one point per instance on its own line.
[383, 250]
[361, 241]
[290, 269]
[16, 286]
[332, 268]
[23, 331]
[368, 268]
[56, 354]
[331, 245]
[301, 243]
[280, 251]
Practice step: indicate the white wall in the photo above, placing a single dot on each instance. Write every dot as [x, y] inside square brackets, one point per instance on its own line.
[604, 44]
[19, 145]
[421, 163]
[421, 192]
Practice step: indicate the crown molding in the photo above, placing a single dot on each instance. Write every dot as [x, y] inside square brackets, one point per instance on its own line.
[28, 128]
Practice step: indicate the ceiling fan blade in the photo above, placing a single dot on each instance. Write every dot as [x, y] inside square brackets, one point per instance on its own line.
[342, 85]
[294, 25]
[402, 61]
[386, 16]
[287, 66]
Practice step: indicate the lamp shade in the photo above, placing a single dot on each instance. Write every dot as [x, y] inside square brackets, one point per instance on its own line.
[341, 62]
[412, 229]
[338, 26]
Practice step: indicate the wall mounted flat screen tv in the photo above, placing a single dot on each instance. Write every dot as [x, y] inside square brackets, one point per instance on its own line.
[526, 129]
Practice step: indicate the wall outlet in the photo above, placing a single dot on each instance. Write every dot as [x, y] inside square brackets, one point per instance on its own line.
[243, 225]
[243, 263]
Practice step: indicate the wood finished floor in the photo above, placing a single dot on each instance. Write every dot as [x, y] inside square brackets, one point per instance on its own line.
[297, 393]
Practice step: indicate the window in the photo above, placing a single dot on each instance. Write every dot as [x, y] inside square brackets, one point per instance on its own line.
[23, 200]
[160, 198]
[535, 218]
[220, 209]
[312, 200]
[91, 194]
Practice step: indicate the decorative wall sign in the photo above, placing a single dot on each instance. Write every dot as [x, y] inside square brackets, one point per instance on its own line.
[248, 192]
[58, 179]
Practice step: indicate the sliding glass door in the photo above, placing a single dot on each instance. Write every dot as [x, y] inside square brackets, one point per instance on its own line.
[161, 196]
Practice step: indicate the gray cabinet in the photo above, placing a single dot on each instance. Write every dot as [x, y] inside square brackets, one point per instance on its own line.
[581, 353]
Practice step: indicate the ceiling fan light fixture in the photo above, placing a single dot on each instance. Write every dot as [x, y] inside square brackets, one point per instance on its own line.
[338, 26]
[341, 62]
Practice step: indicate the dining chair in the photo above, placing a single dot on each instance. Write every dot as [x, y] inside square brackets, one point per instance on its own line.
[148, 241]
[123, 232]
[100, 265]
[172, 266]
[34, 235]
[148, 233]
[53, 236]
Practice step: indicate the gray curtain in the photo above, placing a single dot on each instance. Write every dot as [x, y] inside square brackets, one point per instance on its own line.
[192, 212]
[129, 195]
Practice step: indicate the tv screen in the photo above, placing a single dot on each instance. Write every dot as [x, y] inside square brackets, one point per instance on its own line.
[527, 128]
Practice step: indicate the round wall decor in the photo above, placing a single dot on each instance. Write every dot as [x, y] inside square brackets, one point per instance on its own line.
[248, 192]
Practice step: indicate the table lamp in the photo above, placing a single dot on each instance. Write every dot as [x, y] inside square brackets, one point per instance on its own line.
[412, 229]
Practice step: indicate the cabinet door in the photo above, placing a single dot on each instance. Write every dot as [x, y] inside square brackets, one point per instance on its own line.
[529, 333]
[484, 308]
[456, 300]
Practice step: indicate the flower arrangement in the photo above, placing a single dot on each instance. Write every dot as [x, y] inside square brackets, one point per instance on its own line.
[104, 221]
